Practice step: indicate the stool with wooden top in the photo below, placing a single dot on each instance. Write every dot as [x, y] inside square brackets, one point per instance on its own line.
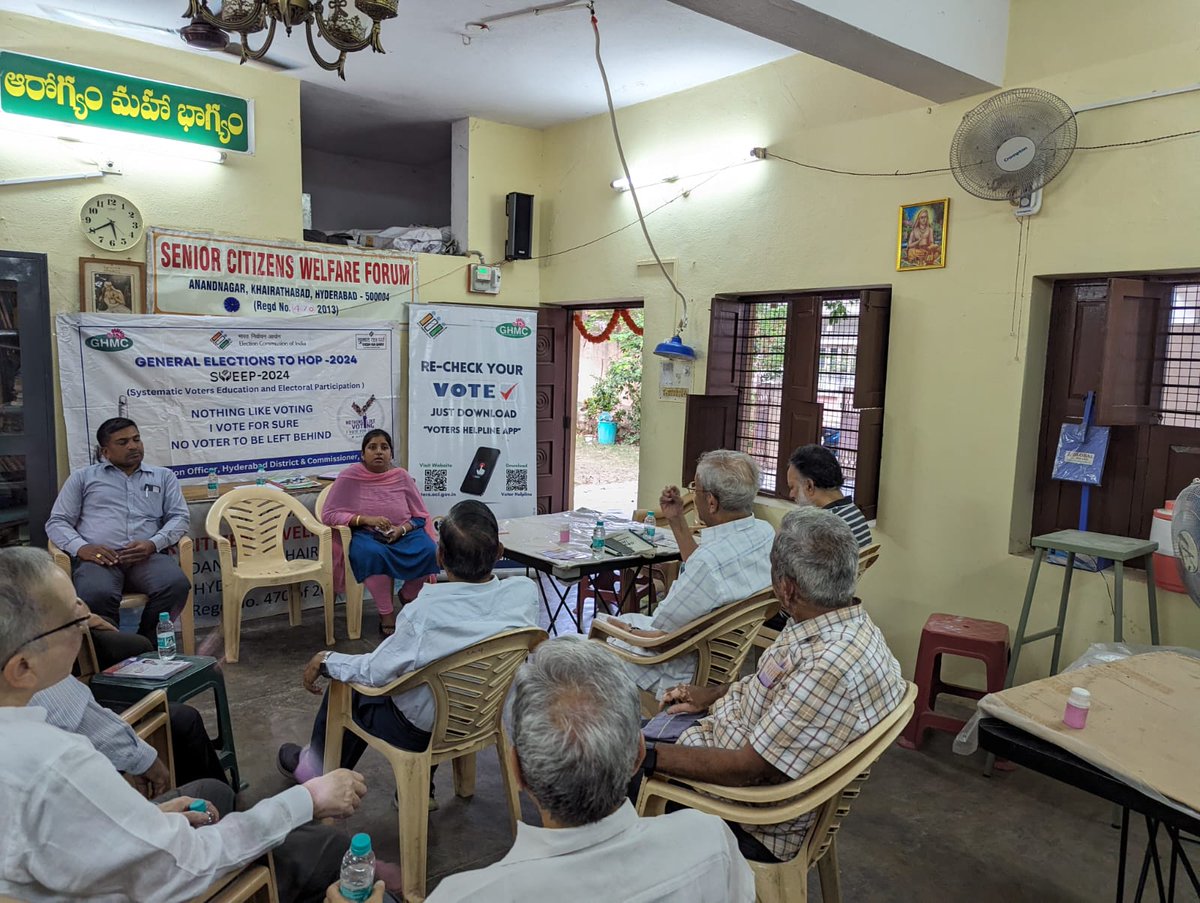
[1099, 545]
[953, 635]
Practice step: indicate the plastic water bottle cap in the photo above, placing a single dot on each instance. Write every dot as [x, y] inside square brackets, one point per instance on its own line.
[649, 514]
[164, 617]
[360, 844]
[1080, 698]
[197, 806]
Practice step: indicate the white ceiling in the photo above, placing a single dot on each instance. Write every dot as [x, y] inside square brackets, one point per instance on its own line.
[532, 71]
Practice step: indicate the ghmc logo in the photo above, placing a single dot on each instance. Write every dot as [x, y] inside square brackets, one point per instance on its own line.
[113, 340]
[514, 330]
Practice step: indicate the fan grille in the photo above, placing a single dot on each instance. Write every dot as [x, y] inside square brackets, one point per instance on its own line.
[1030, 113]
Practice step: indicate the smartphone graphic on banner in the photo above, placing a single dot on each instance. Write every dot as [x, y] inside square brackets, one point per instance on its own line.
[483, 465]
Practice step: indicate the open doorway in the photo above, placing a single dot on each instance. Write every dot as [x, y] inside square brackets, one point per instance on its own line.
[608, 389]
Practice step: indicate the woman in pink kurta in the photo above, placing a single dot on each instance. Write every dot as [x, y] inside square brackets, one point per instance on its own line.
[393, 534]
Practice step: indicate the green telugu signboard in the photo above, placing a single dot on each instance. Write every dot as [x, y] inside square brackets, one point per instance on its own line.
[46, 89]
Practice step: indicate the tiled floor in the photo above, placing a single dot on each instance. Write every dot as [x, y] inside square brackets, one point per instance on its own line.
[928, 826]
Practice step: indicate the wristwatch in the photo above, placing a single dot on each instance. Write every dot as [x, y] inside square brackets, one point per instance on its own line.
[322, 670]
[650, 762]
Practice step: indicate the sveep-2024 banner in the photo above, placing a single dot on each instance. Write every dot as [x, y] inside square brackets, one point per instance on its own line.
[295, 396]
[472, 412]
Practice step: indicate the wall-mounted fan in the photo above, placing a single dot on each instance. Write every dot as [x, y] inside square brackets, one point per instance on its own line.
[1011, 145]
[1185, 537]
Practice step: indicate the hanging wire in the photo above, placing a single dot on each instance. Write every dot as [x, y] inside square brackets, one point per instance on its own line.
[637, 205]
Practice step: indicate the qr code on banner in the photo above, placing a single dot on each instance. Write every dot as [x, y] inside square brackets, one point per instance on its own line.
[516, 479]
[435, 479]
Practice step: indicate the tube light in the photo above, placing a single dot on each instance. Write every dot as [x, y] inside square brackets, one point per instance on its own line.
[753, 155]
[107, 138]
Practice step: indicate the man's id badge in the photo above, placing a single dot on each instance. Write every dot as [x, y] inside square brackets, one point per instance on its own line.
[773, 668]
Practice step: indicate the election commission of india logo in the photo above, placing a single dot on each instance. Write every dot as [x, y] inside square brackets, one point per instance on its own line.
[358, 414]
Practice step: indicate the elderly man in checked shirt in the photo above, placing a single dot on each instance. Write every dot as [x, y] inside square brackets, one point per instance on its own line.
[826, 680]
[116, 519]
[731, 562]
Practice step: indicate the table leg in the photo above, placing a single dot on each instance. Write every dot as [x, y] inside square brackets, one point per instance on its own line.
[1150, 856]
[1124, 850]
[1062, 612]
[562, 602]
[1177, 850]
[1118, 602]
[1152, 600]
[1038, 557]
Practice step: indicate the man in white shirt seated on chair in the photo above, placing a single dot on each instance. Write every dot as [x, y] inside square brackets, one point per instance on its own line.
[731, 562]
[472, 606]
[71, 828]
[573, 715]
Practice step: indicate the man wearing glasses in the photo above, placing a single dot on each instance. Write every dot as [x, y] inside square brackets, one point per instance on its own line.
[118, 845]
[116, 519]
[731, 561]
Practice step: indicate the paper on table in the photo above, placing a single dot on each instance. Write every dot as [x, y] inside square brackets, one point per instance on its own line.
[1142, 726]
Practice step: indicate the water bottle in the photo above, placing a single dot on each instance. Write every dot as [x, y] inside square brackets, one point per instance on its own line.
[649, 527]
[598, 538]
[166, 637]
[214, 488]
[358, 869]
[260, 477]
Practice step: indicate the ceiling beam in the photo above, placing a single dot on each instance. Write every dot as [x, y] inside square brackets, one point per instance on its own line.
[941, 50]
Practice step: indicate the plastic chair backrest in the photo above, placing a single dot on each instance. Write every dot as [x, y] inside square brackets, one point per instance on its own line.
[256, 518]
[469, 689]
[726, 640]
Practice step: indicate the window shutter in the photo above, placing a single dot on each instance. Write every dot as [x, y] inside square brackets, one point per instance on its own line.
[724, 319]
[870, 448]
[870, 370]
[1134, 341]
[801, 413]
[710, 423]
[802, 425]
[870, 380]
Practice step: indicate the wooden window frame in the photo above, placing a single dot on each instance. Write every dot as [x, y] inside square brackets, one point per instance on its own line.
[710, 425]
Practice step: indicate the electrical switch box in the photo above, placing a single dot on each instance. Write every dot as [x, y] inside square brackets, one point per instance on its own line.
[484, 280]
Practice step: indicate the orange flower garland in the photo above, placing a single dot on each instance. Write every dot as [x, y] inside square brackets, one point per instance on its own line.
[602, 335]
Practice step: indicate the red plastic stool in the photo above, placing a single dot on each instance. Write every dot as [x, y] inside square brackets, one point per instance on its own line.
[953, 635]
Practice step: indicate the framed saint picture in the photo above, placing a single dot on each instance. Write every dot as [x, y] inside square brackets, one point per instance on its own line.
[922, 234]
[111, 286]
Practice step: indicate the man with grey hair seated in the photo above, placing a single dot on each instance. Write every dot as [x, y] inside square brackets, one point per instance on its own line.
[731, 562]
[73, 829]
[826, 680]
[573, 716]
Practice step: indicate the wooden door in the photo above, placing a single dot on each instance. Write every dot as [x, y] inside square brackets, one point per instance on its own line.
[555, 407]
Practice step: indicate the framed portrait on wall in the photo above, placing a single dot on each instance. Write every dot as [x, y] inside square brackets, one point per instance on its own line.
[922, 234]
[111, 286]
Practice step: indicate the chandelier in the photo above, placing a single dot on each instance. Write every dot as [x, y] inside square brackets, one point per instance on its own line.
[343, 30]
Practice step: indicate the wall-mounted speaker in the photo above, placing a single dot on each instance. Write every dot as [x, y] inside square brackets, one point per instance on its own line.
[518, 245]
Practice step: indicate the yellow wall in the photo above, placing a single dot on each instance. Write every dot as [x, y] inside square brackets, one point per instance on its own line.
[964, 391]
[256, 195]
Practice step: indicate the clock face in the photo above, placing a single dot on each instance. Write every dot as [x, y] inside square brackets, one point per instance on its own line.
[111, 222]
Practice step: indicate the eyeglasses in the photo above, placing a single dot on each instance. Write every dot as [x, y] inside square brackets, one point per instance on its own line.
[76, 622]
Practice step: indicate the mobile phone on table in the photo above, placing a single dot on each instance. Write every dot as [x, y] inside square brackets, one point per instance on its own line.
[479, 474]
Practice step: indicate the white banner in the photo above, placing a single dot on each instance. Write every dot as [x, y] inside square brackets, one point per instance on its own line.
[472, 422]
[198, 273]
[208, 392]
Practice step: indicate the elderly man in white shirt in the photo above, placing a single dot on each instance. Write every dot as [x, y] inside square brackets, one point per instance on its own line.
[731, 562]
[573, 715]
[446, 618]
[71, 828]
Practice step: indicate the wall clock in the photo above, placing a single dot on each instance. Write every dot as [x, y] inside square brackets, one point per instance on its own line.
[111, 222]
